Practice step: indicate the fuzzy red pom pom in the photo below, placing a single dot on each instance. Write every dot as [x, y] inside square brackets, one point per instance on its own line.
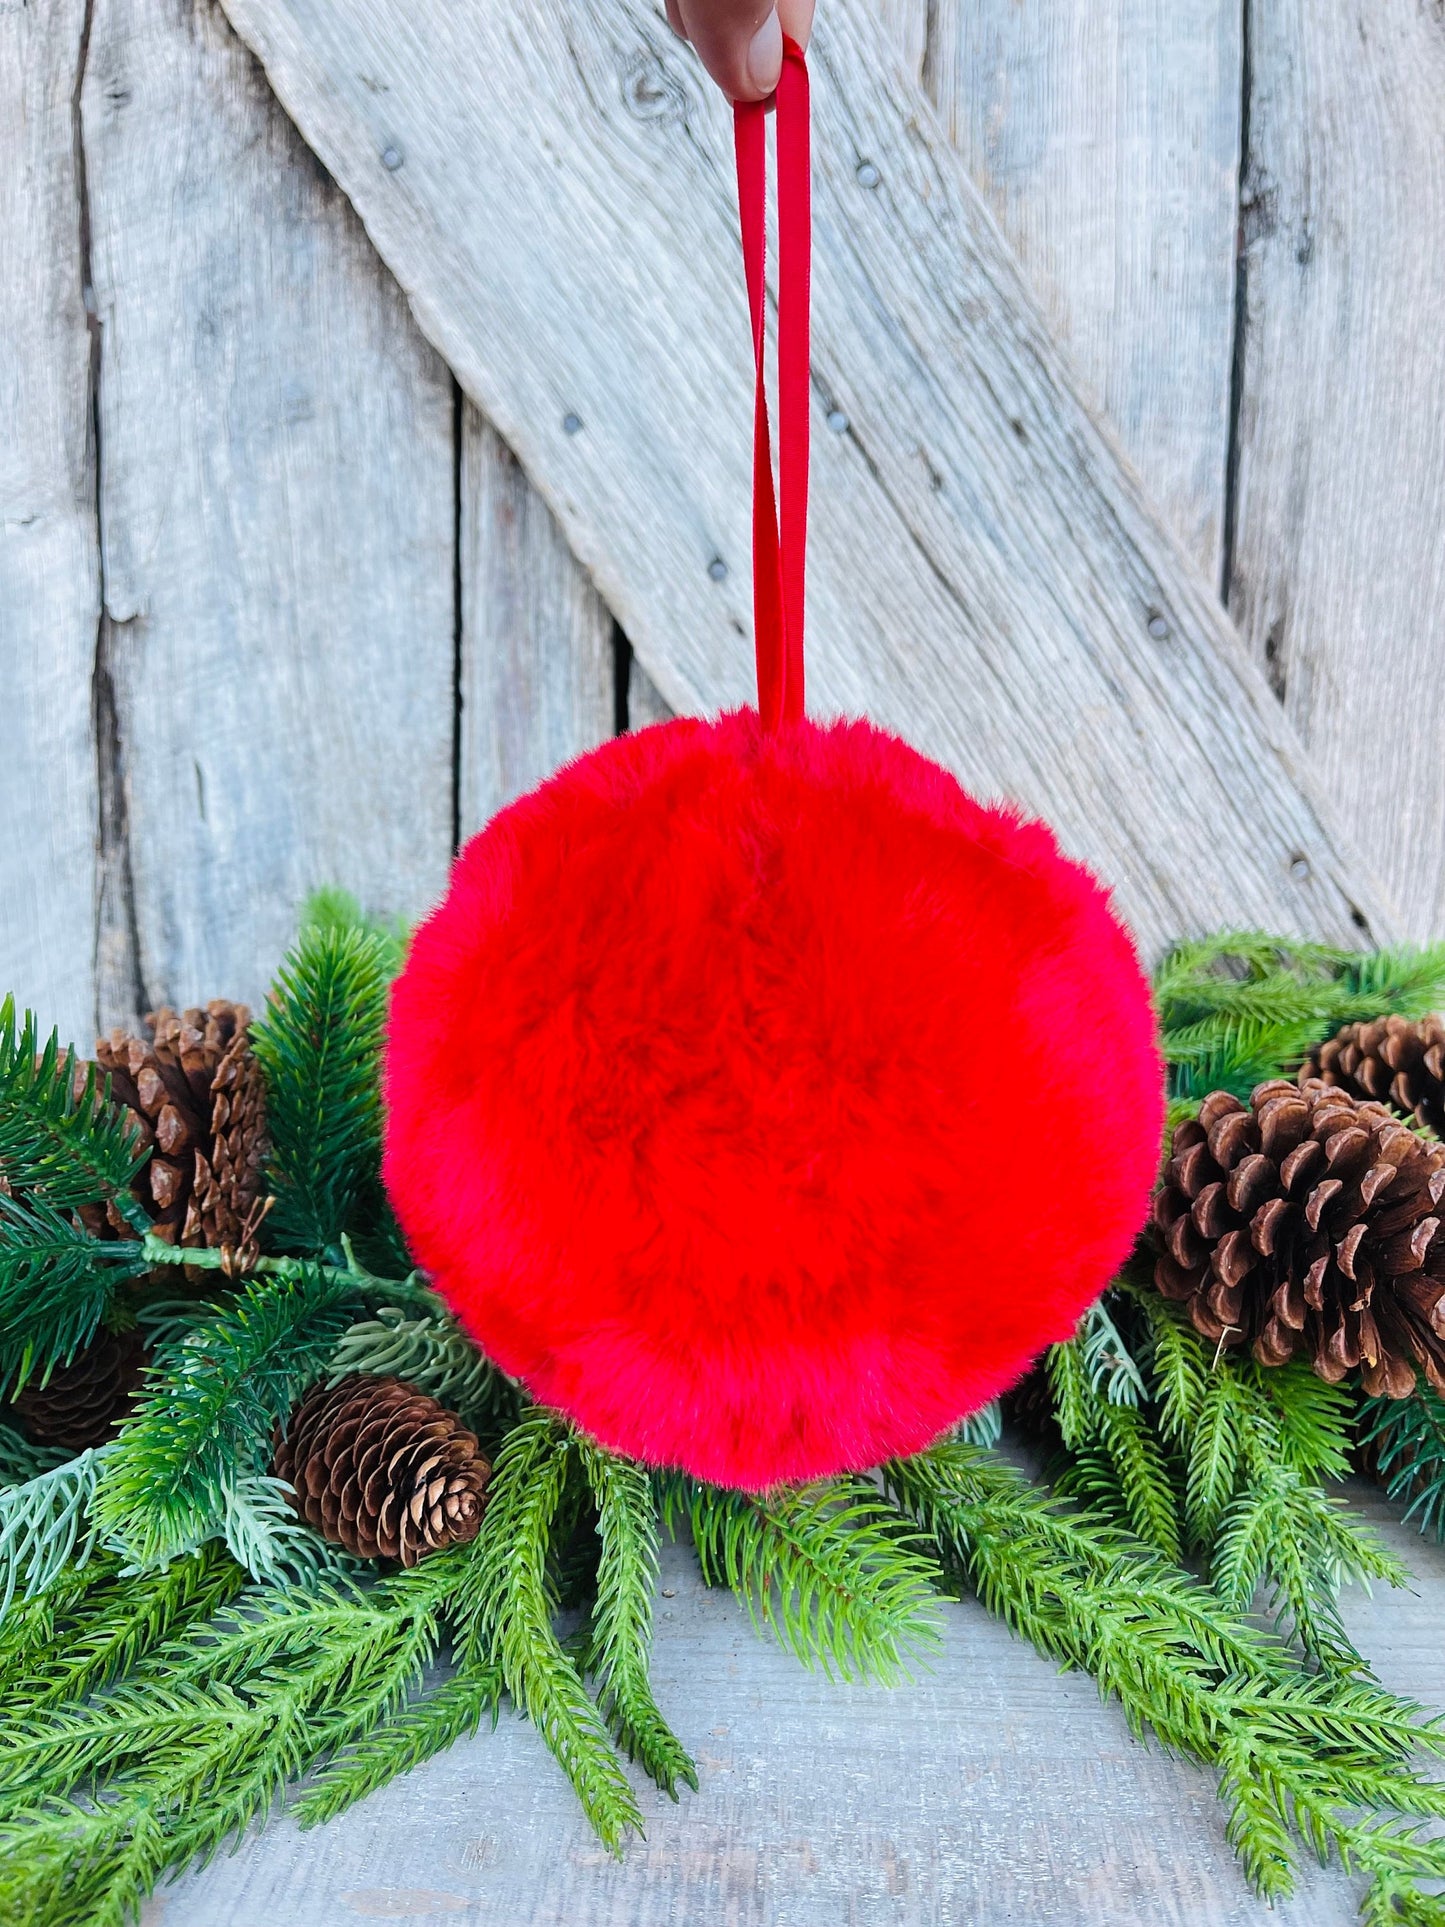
[765, 1103]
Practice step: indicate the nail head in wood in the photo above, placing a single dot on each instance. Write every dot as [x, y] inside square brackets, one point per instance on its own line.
[391, 158]
[717, 568]
[571, 424]
[868, 175]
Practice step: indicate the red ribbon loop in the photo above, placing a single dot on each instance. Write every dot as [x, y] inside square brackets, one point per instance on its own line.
[779, 555]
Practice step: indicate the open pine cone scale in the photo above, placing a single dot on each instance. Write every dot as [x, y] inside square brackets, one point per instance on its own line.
[1305, 1222]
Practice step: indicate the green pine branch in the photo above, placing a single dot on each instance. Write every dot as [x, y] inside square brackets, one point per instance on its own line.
[61, 1140]
[319, 1046]
[1406, 1437]
[432, 1352]
[505, 1620]
[621, 1634]
[95, 1634]
[1299, 1757]
[56, 1286]
[46, 1524]
[210, 1406]
[98, 1800]
[829, 1568]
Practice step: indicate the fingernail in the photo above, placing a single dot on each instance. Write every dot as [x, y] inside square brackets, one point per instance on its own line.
[765, 55]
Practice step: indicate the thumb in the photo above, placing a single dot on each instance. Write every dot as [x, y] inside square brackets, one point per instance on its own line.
[740, 42]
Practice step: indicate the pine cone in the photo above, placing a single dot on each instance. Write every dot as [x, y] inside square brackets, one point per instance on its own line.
[1391, 1060]
[196, 1092]
[82, 1403]
[383, 1470]
[1303, 1223]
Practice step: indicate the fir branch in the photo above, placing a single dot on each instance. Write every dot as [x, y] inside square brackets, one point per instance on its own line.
[22, 1458]
[985, 1426]
[426, 1726]
[56, 1285]
[1122, 1469]
[263, 1534]
[434, 1354]
[61, 1140]
[1406, 1437]
[331, 910]
[319, 1046]
[1308, 1753]
[44, 1524]
[505, 1619]
[102, 1630]
[831, 1569]
[204, 1740]
[210, 1407]
[621, 1636]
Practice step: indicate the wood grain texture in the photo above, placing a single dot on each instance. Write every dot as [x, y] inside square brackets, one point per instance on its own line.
[906, 23]
[645, 701]
[49, 554]
[278, 514]
[992, 1793]
[1104, 135]
[538, 673]
[987, 575]
[1339, 569]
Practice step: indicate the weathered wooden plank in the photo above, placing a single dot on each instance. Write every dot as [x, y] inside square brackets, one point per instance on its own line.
[1104, 134]
[49, 553]
[906, 24]
[538, 674]
[278, 513]
[993, 1792]
[1339, 572]
[645, 701]
[987, 575]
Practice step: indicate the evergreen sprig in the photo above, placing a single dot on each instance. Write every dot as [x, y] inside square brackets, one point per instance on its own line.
[1407, 1439]
[1242, 1007]
[44, 1525]
[432, 1352]
[1300, 1758]
[56, 1286]
[60, 1137]
[99, 1798]
[621, 1635]
[829, 1568]
[506, 1618]
[319, 1046]
[210, 1406]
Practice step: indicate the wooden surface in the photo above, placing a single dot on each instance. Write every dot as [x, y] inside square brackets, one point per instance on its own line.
[986, 573]
[1104, 135]
[49, 560]
[278, 517]
[538, 667]
[1339, 570]
[993, 1793]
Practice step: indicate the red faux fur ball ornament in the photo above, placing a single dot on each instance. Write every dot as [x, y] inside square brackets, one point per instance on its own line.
[765, 1103]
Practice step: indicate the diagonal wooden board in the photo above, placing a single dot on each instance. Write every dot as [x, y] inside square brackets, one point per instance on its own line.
[551, 185]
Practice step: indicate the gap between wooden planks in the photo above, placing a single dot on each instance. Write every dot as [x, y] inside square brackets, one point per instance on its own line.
[552, 188]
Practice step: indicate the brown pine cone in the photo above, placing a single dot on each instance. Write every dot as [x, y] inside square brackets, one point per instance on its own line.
[1304, 1223]
[195, 1090]
[383, 1470]
[1391, 1060]
[82, 1403]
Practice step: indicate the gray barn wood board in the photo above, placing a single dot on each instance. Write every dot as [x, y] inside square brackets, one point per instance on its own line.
[277, 515]
[1104, 135]
[1339, 564]
[994, 1792]
[49, 558]
[987, 575]
[538, 681]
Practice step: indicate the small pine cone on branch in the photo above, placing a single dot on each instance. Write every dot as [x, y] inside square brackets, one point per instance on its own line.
[382, 1469]
[81, 1404]
[1304, 1223]
[195, 1090]
[1392, 1061]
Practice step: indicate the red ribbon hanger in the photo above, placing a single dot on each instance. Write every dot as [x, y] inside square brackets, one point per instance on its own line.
[779, 552]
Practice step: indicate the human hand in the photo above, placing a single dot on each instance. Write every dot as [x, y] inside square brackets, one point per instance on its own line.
[740, 42]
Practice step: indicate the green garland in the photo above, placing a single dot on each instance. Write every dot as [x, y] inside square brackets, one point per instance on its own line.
[178, 1651]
